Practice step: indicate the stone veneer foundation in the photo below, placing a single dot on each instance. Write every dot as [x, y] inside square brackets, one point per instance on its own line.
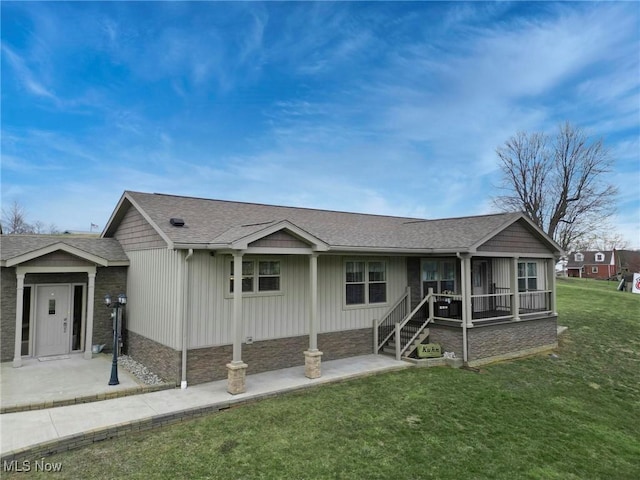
[210, 363]
[160, 359]
[508, 340]
[488, 343]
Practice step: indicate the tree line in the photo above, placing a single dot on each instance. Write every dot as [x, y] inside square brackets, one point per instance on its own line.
[14, 222]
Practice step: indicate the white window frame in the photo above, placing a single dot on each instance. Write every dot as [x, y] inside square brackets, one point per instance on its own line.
[367, 282]
[528, 276]
[599, 257]
[440, 274]
[594, 269]
[579, 257]
[255, 291]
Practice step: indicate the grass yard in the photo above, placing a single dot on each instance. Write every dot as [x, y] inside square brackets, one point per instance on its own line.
[576, 416]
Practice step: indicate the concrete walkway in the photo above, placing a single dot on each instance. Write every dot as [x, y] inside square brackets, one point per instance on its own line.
[49, 430]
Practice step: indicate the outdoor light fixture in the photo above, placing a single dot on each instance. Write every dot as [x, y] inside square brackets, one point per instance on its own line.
[122, 301]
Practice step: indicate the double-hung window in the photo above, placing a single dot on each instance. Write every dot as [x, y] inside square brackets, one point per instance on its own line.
[258, 276]
[439, 274]
[365, 282]
[527, 276]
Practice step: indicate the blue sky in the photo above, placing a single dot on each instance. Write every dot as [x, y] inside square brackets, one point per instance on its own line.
[391, 108]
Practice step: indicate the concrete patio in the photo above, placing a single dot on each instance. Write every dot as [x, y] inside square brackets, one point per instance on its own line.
[47, 430]
[62, 380]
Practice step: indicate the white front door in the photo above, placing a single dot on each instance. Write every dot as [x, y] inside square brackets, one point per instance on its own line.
[53, 320]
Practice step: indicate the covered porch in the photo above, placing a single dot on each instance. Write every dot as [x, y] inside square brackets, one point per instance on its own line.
[450, 299]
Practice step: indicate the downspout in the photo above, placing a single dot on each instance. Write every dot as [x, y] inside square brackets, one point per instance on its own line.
[185, 319]
[464, 308]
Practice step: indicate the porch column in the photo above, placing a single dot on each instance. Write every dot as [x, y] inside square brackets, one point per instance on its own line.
[17, 354]
[237, 369]
[88, 342]
[467, 307]
[515, 299]
[312, 357]
[551, 284]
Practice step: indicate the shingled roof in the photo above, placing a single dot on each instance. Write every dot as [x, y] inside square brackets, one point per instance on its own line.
[218, 223]
[109, 249]
[589, 258]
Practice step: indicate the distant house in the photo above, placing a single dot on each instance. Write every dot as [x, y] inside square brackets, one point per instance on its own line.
[592, 264]
[218, 289]
[627, 261]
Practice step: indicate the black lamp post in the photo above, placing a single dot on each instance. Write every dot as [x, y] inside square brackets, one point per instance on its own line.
[122, 301]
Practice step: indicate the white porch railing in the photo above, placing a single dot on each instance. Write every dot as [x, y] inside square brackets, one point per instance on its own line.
[534, 302]
[492, 306]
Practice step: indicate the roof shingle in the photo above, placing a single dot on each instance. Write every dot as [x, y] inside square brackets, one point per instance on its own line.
[12, 246]
[218, 221]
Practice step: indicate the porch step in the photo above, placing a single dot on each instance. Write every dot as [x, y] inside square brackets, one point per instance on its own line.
[421, 338]
[390, 346]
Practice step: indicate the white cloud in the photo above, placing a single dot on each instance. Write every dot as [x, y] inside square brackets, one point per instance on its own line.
[25, 76]
[383, 114]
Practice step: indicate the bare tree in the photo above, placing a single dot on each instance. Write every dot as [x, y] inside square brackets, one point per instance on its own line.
[603, 239]
[38, 227]
[14, 220]
[559, 182]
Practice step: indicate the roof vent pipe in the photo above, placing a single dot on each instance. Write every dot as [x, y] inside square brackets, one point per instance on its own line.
[177, 222]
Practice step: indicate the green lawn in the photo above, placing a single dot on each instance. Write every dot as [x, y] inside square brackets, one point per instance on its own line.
[574, 416]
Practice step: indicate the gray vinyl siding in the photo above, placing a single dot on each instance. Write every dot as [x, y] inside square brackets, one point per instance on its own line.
[265, 316]
[135, 233]
[154, 295]
[333, 316]
[279, 240]
[57, 259]
[285, 314]
[515, 238]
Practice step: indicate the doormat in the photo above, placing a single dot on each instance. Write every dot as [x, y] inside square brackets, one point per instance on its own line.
[53, 357]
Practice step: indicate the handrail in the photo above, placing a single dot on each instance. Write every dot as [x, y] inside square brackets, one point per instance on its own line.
[415, 310]
[402, 298]
[401, 348]
[534, 301]
[490, 295]
[384, 329]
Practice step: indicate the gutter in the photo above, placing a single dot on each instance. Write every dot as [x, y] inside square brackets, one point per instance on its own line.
[185, 319]
[333, 249]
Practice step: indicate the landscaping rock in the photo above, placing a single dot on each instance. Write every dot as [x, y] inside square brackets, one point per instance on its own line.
[138, 370]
